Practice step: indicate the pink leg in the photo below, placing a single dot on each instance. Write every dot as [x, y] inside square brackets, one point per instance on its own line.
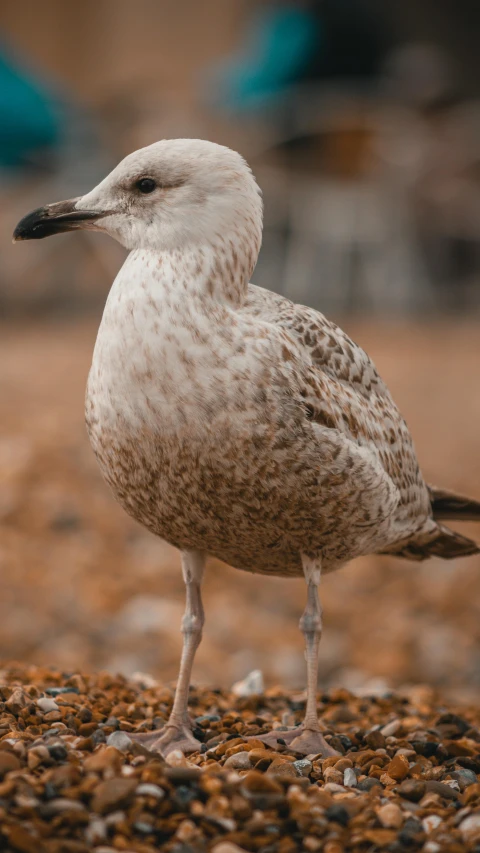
[177, 733]
[307, 738]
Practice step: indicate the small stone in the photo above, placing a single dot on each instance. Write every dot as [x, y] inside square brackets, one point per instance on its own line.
[57, 751]
[412, 789]
[330, 774]
[96, 831]
[390, 816]
[350, 778]
[464, 777]
[334, 788]
[22, 841]
[369, 783]
[104, 757]
[257, 783]
[120, 740]
[228, 847]
[60, 805]
[239, 761]
[282, 768]
[470, 828]
[8, 762]
[375, 740]
[251, 685]
[303, 767]
[338, 814]
[186, 831]
[398, 768]
[57, 691]
[45, 704]
[182, 774]
[113, 794]
[17, 701]
[391, 728]
[431, 822]
[442, 789]
[147, 789]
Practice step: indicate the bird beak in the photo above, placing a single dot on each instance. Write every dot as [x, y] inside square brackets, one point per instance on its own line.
[55, 219]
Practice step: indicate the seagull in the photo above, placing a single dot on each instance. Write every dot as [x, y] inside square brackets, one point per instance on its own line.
[230, 421]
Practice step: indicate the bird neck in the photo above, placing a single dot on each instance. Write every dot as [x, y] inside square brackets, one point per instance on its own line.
[218, 270]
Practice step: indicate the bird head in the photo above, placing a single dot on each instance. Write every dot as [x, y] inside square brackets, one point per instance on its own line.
[174, 194]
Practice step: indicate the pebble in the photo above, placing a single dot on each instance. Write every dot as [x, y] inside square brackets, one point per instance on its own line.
[64, 792]
[239, 761]
[391, 728]
[470, 828]
[113, 794]
[251, 685]
[120, 740]
[303, 767]
[350, 778]
[390, 816]
[398, 768]
[8, 762]
[147, 789]
[45, 704]
[412, 789]
[431, 822]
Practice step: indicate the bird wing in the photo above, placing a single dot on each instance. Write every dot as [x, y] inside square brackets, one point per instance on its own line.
[342, 390]
[329, 347]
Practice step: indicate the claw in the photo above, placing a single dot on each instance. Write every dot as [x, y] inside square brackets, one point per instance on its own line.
[168, 739]
[300, 739]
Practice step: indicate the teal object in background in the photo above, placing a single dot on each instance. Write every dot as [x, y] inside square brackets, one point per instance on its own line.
[280, 44]
[30, 122]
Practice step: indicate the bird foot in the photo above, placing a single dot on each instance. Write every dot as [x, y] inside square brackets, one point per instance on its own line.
[168, 739]
[300, 739]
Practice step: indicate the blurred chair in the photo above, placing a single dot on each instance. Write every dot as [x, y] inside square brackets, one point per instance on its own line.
[350, 238]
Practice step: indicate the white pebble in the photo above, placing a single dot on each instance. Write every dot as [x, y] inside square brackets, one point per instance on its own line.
[46, 704]
[349, 778]
[431, 822]
[120, 741]
[252, 685]
[470, 828]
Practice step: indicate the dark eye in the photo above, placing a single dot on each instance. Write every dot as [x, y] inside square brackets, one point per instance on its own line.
[146, 185]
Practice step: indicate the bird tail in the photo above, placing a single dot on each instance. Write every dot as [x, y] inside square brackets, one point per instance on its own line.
[448, 505]
[438, 541]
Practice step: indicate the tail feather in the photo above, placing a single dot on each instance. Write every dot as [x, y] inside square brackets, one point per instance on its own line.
[439, 542]
[448, 505]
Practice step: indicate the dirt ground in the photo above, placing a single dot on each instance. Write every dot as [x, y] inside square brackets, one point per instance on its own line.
[83, 587]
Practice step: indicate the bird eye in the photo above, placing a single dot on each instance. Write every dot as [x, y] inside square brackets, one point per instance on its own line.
[146, 185]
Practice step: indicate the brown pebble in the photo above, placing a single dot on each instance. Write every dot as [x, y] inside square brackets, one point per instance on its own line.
[390, 816]
[412, 789]
[8, 762]
[105, 757]
[113, 794]
[256, 783]
[22, 841]
[398, 768]
[375, 740]
[282, 768]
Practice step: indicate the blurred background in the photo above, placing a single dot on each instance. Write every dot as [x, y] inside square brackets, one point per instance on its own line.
[361, 120]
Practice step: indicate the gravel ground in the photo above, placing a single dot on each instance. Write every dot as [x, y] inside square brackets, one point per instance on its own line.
[72, 780]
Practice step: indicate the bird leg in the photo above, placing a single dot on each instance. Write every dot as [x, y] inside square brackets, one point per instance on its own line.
[177, 732]
[307, 738]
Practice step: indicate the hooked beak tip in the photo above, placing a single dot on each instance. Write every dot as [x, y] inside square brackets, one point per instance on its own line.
[55, 218]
